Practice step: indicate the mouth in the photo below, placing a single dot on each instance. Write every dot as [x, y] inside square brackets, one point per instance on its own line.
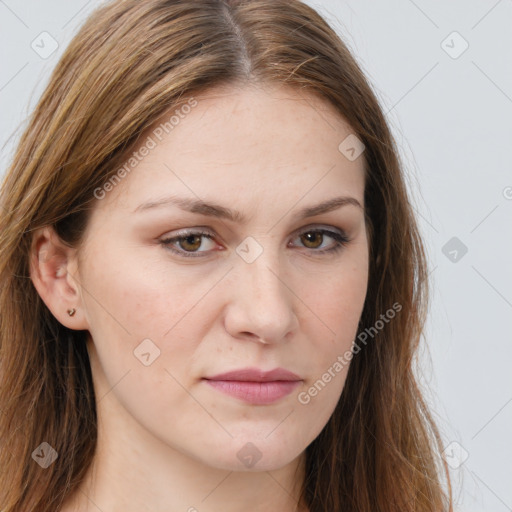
[255, 386]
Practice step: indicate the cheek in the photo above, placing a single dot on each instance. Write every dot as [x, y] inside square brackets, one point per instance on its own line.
[337, 301]
[135, 296]
[144, 318]
[337, 306]
[146, 324]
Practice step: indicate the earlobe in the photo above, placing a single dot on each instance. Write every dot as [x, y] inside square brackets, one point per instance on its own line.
[53, 272]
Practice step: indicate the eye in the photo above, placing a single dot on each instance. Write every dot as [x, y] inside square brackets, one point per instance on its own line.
[314, 238]
[188, 243]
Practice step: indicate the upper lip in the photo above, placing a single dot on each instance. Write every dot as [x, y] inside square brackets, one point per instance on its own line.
[256, 375]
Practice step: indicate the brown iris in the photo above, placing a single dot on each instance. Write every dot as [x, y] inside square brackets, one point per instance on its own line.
[308, 237]
[189, 240]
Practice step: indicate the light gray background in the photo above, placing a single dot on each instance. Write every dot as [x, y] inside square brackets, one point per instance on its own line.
[452, 118]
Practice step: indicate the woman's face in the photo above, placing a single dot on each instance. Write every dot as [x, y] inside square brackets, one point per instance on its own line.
[252, 283]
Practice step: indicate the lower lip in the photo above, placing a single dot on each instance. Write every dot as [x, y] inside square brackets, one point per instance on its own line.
[260, 393]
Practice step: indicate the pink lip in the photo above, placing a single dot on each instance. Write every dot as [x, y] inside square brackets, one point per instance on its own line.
[256, 386]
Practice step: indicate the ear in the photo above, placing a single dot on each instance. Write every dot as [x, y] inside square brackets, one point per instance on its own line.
[54, 272]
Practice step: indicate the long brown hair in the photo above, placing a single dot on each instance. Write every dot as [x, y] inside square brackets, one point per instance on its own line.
[131, 62]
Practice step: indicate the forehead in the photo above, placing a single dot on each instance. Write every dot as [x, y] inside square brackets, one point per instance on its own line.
[243, 142]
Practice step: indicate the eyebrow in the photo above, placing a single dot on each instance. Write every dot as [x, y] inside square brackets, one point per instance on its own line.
[215, 210]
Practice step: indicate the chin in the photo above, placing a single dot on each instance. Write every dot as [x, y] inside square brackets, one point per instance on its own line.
[253, 455]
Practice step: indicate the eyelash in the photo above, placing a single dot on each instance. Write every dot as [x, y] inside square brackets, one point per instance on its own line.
[340, 238]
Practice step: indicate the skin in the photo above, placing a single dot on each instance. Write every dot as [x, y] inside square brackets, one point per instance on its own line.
[166, 439]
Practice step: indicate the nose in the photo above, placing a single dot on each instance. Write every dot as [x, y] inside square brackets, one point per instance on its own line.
[262, 304]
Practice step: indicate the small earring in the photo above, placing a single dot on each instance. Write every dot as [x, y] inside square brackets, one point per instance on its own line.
[71, 311]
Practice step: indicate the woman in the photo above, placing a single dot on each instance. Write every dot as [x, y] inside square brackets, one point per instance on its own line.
[213, 284]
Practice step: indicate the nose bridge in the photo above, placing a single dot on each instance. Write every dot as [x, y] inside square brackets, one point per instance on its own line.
[265, 277]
